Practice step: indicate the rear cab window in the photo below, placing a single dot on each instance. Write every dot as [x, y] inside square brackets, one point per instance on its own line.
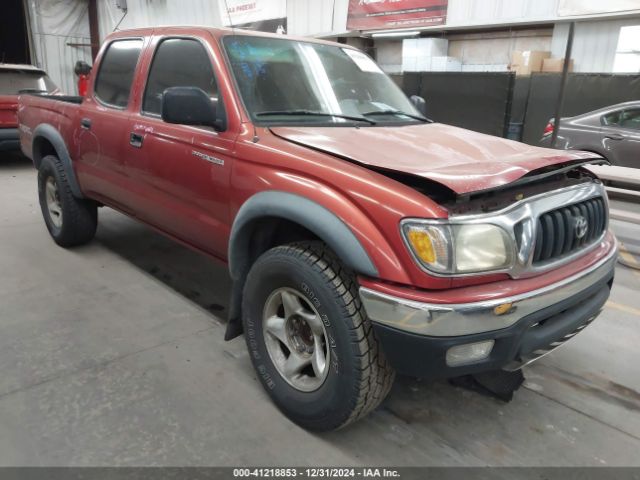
[117, 69]
[178, 62]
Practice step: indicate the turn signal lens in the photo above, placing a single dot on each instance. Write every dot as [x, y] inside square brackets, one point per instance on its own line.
[430, 244]
[421, 243]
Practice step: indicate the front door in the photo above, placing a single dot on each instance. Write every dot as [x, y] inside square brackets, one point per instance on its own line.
[180, 173]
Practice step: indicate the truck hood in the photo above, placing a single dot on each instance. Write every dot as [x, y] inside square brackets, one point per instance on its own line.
[8, 111]
[462, 160]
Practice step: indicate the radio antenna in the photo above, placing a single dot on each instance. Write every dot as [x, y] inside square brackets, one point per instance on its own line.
[226, 6]
[255, 138]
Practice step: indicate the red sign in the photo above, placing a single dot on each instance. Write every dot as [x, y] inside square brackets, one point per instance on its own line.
[383, 14]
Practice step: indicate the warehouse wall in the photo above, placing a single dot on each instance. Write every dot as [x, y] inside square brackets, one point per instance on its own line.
[491, 12]
[304, 17]
[594, 43]
[319, 18]
[496, 48]
[146, 13]
[54, 25]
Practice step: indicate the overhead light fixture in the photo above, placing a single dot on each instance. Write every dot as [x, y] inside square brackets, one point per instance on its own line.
[395, 34]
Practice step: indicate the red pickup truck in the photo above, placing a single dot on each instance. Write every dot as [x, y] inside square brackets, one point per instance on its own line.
[362, 238]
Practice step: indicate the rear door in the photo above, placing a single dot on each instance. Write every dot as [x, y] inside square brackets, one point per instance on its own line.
[180, 174]
[621, 137]
[103, 132]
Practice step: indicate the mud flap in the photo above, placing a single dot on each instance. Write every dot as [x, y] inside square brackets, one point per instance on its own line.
[234, 323]
[499, 384]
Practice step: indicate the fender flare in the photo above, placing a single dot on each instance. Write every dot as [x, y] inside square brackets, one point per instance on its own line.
[49, 133]
[301, 210]
[305, 212]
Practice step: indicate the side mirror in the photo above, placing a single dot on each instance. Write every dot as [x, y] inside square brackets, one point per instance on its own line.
[191, 106]
[420, 104]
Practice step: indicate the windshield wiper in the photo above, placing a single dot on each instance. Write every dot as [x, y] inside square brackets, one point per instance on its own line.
[397, 112]
[315, 114]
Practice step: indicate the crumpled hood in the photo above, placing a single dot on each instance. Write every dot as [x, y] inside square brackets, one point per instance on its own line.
[462, 160]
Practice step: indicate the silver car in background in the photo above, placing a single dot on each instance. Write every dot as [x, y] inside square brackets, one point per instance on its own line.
[613, 132]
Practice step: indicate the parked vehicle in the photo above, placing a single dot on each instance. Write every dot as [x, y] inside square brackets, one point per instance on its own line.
[13, 80]
[362, 238]
[612, 132]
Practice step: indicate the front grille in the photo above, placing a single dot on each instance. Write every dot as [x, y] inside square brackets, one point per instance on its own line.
[568, 229]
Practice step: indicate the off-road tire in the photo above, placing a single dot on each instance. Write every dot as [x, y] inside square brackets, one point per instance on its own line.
[359, 376]
[79, 216]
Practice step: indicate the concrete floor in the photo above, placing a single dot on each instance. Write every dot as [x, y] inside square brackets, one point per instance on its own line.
[113, 354]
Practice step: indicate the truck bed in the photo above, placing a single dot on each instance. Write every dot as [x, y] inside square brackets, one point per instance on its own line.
[59, 111]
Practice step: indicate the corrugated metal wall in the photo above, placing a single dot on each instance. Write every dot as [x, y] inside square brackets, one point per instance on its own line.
[148, 13]
[304, 17]
[54, 25]
[594, 43]
[315, 17]
[491, 12]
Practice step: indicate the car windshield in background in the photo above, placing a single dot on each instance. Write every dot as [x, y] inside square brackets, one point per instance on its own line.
[295, 82]
[13, 81]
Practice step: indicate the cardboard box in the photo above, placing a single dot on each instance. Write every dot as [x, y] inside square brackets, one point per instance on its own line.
[528, 61]
[555, 65]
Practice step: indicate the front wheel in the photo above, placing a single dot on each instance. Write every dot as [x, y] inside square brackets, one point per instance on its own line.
[309, 339]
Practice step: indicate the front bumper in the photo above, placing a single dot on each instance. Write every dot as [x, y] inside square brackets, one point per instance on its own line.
[417, 336]
[9, 139]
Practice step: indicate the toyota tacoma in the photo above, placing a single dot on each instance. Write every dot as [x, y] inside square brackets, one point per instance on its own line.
[362, 238]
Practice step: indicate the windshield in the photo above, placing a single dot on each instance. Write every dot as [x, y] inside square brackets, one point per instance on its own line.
[295, 82]
[12, 82]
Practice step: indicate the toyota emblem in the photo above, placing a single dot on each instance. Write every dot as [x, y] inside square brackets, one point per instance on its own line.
[581, 226]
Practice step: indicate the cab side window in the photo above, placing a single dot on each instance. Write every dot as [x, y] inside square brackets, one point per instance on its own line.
[178, 62]
[118, 66]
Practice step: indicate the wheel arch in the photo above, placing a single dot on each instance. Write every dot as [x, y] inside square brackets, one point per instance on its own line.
[272, 218]
[48, 141]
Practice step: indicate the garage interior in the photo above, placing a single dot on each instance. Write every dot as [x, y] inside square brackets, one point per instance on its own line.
[113, 353]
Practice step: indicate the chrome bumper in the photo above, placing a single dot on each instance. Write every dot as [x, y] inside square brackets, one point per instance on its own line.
[447, 320]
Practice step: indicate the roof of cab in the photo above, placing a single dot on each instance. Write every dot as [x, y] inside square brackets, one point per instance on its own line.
[217, 32]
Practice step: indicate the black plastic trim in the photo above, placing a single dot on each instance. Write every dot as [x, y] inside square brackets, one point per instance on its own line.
[49, 133]
[425, 357]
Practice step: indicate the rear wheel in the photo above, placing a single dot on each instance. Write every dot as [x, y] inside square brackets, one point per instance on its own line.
[310, 341]
[71, 221]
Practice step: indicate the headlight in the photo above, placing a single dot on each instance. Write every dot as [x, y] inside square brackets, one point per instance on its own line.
[454, 249]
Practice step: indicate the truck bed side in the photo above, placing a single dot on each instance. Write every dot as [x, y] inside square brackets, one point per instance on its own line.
[60, 112]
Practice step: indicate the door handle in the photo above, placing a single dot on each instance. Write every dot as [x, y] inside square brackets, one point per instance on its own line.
[86, 123]
[135, 140]
[614, 136]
